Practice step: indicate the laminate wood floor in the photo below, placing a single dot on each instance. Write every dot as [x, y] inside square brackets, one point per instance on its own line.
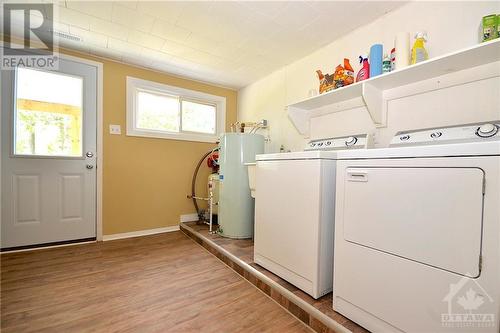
[243, 249]
[160, 283]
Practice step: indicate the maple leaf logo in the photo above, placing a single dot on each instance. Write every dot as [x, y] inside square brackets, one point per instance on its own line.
[471, 300]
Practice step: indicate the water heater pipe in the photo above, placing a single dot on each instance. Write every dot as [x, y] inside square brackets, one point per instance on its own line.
[193, 183]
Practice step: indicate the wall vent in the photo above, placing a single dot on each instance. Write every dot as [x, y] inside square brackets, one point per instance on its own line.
[65, 35]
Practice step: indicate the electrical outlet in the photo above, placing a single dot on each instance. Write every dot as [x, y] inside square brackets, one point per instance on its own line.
[115, 129]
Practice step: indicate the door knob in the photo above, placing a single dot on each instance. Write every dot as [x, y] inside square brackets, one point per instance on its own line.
[89, 154]
[89, 166]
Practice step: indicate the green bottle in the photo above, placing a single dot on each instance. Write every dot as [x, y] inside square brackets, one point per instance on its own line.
[386, 64]
[489, 26]
[498, 26]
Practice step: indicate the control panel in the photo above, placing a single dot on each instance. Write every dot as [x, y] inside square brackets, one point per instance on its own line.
[489, 131]
[347, 142]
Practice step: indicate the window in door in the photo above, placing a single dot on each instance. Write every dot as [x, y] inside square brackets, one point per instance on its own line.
[47, 114]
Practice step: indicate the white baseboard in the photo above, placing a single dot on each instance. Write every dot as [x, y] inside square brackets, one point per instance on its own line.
[189, 217]
[140, 233]
[46, 247]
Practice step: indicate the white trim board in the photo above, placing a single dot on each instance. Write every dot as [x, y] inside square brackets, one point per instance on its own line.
[140, 233]
[47, 247]
[189, 217]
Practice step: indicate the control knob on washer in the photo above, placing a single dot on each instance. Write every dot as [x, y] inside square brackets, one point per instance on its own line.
[351, 141]
[404, 137]
[436, 135]
[486, 130]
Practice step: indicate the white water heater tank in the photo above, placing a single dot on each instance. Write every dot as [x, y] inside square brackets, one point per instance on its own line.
[236, 206]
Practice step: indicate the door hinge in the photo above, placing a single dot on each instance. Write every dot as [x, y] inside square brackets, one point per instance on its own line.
[484, 185]
[480, 263]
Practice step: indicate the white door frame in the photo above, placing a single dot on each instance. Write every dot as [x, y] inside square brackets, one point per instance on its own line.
[100, 133]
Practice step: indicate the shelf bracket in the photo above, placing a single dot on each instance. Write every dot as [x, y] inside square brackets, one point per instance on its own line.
[300, 119]
[375, 103]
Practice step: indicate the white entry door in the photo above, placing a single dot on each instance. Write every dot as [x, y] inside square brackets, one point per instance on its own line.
[48, 154]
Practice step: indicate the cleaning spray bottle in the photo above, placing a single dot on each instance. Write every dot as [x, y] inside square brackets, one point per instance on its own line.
[364, 72]
[418, 52]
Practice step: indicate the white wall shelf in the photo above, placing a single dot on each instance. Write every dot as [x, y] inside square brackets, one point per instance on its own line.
[370, 93]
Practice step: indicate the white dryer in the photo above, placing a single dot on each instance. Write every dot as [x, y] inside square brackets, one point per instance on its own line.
[294, 212]
[417, 232]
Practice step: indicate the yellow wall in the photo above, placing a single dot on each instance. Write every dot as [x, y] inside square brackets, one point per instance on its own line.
[145, 180]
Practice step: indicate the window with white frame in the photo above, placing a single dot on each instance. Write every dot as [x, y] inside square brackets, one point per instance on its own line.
[161, 111]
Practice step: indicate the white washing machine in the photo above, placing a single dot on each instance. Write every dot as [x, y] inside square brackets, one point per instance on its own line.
[417, 232]
[294, 212]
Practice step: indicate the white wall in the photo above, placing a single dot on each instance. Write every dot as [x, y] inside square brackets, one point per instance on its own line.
[450, 26]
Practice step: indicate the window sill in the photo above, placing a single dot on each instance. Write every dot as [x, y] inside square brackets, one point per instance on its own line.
[174, 136]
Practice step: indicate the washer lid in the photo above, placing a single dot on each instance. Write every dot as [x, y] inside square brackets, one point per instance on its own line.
[491, 148]
[298, 155]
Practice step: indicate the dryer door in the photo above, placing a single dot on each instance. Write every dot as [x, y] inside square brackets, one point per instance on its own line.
[428, 215]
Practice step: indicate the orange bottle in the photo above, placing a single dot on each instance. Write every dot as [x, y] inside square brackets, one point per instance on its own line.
[348, 72]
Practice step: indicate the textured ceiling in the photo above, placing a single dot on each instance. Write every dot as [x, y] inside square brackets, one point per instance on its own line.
[229, 43]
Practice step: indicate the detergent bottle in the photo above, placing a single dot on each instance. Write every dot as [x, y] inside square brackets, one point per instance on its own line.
[418, 52]
[364, 72]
